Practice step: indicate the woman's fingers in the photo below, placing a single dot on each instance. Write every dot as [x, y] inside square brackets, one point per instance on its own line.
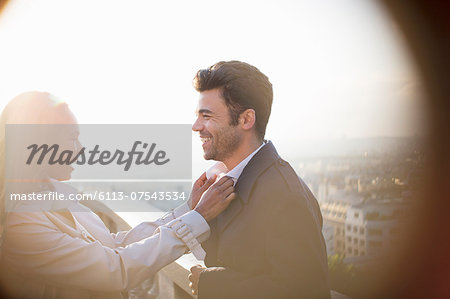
[223, 180]
[228, 191]
[203, 178]
[200, 181]
[209, 182]
[230, 197]
[227, 183]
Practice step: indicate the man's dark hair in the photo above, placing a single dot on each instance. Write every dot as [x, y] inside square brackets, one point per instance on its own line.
[242, 86]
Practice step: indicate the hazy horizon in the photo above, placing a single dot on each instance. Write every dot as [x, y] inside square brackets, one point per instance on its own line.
[337, 68]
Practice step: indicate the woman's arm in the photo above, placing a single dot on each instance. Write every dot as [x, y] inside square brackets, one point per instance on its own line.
[147, 228]
[35, 247]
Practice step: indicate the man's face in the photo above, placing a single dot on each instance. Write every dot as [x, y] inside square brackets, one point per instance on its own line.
[219, 138]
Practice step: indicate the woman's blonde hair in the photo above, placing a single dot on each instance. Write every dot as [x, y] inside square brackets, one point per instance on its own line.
[32, 107]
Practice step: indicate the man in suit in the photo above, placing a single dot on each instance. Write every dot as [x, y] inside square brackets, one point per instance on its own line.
[268, 242]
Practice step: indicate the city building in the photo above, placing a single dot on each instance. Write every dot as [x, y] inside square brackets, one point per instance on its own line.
[372, 227]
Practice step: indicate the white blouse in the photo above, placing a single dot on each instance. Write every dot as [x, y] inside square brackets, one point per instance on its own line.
[44, 256]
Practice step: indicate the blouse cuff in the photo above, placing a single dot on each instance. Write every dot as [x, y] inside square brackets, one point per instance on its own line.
[181, 210]
[193, 229]
[175, 213]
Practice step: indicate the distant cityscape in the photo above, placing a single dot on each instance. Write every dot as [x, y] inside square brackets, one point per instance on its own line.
[364, 193]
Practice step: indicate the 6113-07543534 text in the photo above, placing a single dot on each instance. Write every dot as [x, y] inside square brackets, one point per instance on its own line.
[99, 195]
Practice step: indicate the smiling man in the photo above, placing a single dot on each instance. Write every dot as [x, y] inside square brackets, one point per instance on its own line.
[268, 242]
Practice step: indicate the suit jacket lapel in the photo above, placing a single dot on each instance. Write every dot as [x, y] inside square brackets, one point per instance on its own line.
[225, 218]
[260, 161]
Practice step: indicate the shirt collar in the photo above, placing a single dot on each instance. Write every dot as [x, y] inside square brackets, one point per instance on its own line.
[221, 170]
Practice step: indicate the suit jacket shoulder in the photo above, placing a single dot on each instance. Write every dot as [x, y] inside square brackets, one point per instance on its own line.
[281, 180]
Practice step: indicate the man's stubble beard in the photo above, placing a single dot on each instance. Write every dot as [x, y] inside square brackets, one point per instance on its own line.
[224, 144]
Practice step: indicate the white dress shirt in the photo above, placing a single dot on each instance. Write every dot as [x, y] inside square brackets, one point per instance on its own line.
[220, 169]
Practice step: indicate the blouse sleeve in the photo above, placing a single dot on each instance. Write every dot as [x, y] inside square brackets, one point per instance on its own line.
[34, 246]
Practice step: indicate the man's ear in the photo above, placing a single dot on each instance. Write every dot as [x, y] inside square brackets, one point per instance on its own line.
[247, 119]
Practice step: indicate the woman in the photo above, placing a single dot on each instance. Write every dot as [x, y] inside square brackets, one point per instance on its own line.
[64, 250]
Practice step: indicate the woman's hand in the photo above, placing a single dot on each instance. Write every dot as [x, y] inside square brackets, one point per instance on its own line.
[200, 186]
[216, 199]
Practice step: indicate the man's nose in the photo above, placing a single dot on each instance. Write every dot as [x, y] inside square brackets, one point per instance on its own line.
[197, 126]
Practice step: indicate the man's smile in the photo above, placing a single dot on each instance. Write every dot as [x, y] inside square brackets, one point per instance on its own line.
[205, 141]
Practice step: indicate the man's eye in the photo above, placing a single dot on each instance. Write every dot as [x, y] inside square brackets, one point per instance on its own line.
[206, 116]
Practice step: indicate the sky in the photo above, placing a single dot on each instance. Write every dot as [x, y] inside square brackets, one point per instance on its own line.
[338, 68]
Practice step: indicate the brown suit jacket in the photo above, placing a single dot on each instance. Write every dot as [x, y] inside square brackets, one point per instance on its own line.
[268, 242]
